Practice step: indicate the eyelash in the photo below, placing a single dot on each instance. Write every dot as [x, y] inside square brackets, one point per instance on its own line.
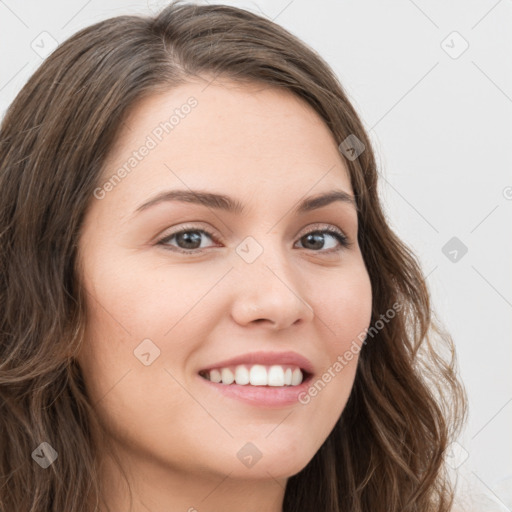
[338, 235]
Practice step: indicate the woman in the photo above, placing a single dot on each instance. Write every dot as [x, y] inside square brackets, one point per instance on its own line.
[203, 306]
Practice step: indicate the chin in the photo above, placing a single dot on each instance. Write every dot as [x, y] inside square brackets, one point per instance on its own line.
[279, 463]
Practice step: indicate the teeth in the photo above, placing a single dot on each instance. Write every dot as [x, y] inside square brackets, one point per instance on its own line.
[256, 375]
[276, 376]
[227, 376]
[215, 376]
[296, 377]
[242, 375]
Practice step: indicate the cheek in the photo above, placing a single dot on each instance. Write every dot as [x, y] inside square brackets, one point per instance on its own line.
[343, 303]
[135, 401]
[134, 309]
[343, 306]
[147, 297]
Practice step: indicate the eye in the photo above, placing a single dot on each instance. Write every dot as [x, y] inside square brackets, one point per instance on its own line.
[317, 237]
[189, 239]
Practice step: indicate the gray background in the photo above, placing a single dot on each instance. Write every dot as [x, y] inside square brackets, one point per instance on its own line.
[440, 119]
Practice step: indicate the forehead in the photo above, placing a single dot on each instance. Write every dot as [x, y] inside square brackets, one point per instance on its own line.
[244, 137]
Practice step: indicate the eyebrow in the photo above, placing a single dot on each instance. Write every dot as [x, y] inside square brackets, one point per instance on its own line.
[223, 202]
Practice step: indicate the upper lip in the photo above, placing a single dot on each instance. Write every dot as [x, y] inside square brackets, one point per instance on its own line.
[266, 358]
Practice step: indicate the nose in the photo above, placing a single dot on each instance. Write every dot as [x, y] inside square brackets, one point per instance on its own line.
[268, 292]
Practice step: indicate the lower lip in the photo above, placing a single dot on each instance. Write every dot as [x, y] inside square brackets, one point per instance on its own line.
[262, 396]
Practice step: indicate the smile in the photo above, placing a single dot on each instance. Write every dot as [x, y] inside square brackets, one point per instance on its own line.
[256, 375]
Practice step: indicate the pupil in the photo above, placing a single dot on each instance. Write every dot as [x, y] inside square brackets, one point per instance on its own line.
[317, 238]
[189, 239]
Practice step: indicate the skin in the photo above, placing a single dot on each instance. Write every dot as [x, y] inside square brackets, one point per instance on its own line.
[177, 439]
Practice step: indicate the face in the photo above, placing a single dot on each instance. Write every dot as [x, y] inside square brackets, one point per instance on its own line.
[176, 287]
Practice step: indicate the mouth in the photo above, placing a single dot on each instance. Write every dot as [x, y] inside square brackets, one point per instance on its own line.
[273, 376]
[260, 379]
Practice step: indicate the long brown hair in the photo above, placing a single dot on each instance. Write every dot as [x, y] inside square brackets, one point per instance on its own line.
[386, 451]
